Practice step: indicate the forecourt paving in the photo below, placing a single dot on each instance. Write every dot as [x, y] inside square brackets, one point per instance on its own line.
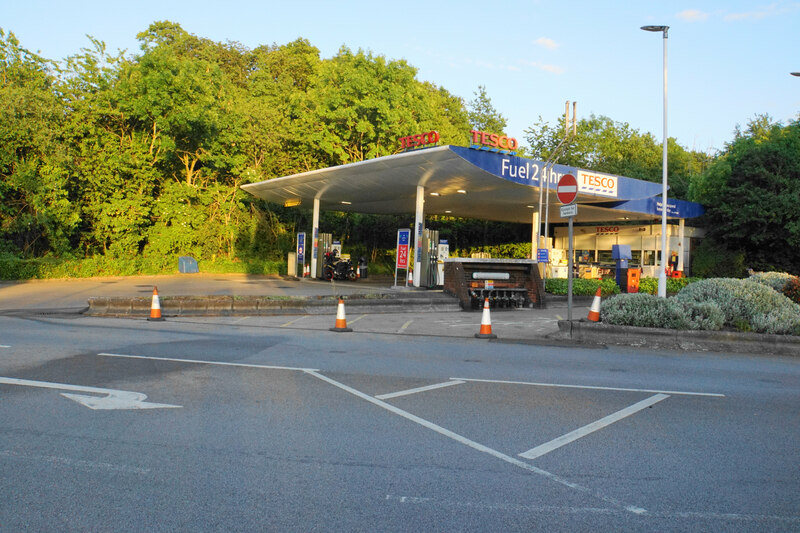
[390, 309]
[374, 303]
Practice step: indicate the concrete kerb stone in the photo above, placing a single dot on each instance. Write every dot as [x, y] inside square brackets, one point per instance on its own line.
[585, 332]
[264, 305]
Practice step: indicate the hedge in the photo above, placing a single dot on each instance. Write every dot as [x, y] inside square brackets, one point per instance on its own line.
[710, 304]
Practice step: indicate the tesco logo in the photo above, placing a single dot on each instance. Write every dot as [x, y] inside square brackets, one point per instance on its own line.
[422, 139]
[602, 184]
[494, 140]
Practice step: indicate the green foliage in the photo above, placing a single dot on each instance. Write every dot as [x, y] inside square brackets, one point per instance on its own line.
[751, 193]
[582, 287]
[712, 260]
[482, 114]
[607, 146]
[792, 289]
[674, 285]
[746, 305]
[647, 310]
[784, 283]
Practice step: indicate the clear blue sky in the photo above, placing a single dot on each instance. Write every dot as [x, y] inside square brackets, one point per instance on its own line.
[727, 61]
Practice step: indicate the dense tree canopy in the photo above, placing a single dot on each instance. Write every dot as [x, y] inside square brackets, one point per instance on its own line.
[752, 194]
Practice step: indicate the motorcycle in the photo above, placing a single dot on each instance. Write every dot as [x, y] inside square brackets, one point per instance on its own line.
[337, 268]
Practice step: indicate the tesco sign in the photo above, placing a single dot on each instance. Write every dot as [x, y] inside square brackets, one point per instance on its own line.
[599, 184]
[421, 139]
[494, 140]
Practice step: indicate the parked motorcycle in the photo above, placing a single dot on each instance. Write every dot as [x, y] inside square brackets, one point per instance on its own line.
[337, 268]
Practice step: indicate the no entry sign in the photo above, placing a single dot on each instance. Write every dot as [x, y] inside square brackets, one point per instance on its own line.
[567, 189]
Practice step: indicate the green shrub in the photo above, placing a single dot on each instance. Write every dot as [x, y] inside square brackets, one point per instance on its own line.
[784, 283]
[792, 289]
[712, 260]
[581, 287]
[775, 280]
[647, 310]
[746, 305]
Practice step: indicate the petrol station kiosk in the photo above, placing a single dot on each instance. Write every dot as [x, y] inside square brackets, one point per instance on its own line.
[487, 180]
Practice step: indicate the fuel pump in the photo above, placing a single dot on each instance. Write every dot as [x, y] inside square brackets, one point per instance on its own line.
[325, 244]
[443, 252]
[430, 259]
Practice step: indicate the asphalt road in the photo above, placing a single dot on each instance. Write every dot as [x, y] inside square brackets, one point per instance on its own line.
[256, 424]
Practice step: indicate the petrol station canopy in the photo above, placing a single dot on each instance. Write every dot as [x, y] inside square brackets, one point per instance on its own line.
[470, 183]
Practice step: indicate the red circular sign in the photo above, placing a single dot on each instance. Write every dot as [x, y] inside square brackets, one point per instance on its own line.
[567, 189]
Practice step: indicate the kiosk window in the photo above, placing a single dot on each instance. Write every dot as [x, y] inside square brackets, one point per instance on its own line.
[605, 257]
[649, 258]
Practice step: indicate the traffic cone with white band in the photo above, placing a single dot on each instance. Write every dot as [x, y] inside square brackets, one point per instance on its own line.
[486, 323]
[155, 307]
[341, 321]
[594, 311]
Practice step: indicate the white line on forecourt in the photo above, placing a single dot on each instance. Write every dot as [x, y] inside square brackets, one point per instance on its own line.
[413, 418]
[590, 387]
[418, 389]
[199, 362]
[478, 446]
[597, 425]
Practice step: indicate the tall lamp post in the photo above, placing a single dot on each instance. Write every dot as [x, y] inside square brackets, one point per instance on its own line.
[662, 274]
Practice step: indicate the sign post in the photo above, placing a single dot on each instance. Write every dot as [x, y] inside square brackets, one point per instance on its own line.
[403, 239]
[567, 192]
[301, 255]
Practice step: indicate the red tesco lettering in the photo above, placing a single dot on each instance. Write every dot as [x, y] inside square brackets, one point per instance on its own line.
[494, 140]
[422, 139]
[603, 182]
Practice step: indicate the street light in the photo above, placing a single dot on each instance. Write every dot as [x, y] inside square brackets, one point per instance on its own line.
[795, 74]
[662, 275]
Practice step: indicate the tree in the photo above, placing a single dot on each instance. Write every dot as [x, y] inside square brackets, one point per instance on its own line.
[604, 145]
[36, 214]
[751, 194]
[482, 114]
[359, 105]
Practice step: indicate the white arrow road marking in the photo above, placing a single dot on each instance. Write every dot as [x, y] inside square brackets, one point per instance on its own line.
[113, 399]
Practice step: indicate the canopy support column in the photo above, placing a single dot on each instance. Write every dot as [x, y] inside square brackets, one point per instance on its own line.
[315, 237]
[681, 235]
[419, 218]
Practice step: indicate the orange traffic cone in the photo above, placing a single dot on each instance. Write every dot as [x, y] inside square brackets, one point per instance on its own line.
[341, 321]
[486, 323]
[155, 307]
[594, 311]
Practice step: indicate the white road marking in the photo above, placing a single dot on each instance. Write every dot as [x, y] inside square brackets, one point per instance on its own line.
[357, 318]
[550, 509]
[572, 436]
[293, 321]
[198, 362]
[404, 326]
[72, 463]
[590, 387]
[479, 447]
[418, 389]
[4, 346]
[114, 399]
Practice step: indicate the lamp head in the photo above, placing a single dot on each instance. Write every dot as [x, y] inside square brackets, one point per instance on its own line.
[795, 74]
[656, 28]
